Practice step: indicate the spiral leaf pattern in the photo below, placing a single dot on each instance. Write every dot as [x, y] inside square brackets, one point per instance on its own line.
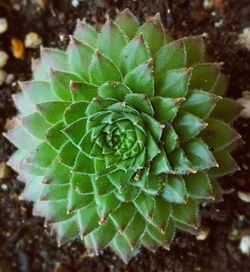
[121, 136]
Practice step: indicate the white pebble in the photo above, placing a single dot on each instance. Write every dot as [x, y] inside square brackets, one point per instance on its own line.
[244, 38]
[244, 101]
[32, 40]
[3, 75]
[244, 196]
[3, 25]
[3, 58]
[245, 245]
[9, 79]
[202, 234]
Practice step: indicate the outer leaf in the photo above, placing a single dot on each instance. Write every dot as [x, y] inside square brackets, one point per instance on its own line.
[54, 59]
[79, 55]
[174, 83]
[127, 22]
[199, 186]
[200, 103]
[85, 33]
[195, 48]
[175, 190]
[153, 33]
[82, 91]
[111, 41]
[218, 134]
[134, 54]
[141, 79]
[102, 69]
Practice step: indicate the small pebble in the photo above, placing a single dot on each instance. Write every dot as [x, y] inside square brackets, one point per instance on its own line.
[32, 40]
[9, 79]
[17, 48]
[3, 58]
[208, 4]
[244, 196]
[3, 25]
[244, 101]
[3, 75]
[244, 38]
[202, 234]
[4, 170]
[245, 245]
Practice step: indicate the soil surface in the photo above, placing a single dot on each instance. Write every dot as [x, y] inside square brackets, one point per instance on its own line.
[25, 244]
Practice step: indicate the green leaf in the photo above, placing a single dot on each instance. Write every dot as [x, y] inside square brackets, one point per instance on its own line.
[153, 125]
[111, 41]
[102, 69]
[54, 59]
[175, 190]
[227, 110]
[160, 164]
[23, 103]
[75, 131]
[186, 214]
[154, 238]
[200, 103]
[204, 76]
[82, 91]
[180, 163]
[140, 102]
[98, 105]
[135, 230]
[162, 212]
[145, 204]
[134, 54]
[187, 125]
[67, 154]
[106, 204]
[165, 108]
[127, 193]
[119, 178]
[174, 83]
[60, 84]
[113, 90]
[39, 73]
[171, 56]
[100, 238]
[218, 134]
[87, 219]
[227, 165]
[65, 231]
[74, 112]
[195, 48]
[151, 147]
[153, 33]
[221, 85]
[42, 156]
[199, 154]
[57, 173]
[81, 183]
[54, 192]
[21, 138]
[52, 111]
[31, 121]
[85, 33]
[199, 186]
[121, 246]
[80, 56]
[77, 201]
[141, 79]
[122, 215]
[37, 91]
[170, 139]
[127, 22]
[55, 137]
[84, 164]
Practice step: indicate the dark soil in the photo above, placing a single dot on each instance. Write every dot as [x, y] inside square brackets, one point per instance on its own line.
[25, 245]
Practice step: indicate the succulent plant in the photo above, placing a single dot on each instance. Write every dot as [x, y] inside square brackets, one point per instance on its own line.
[123, 135]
